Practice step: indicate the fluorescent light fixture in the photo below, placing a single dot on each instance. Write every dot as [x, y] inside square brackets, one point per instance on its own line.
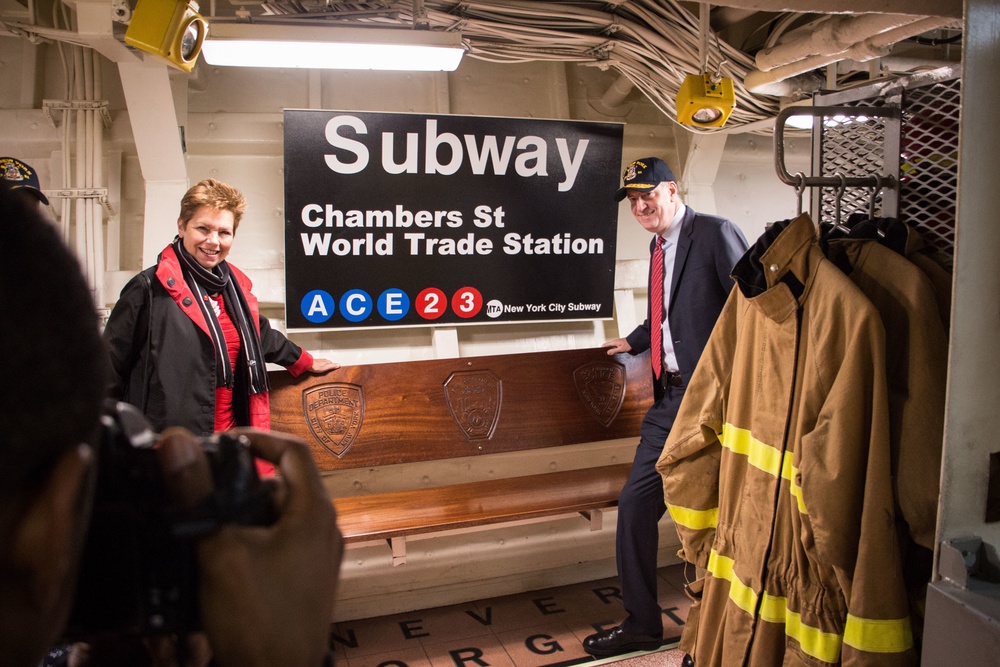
[331, 47]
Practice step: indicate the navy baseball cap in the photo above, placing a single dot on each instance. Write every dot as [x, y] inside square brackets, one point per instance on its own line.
[644, 175]
[19, 175]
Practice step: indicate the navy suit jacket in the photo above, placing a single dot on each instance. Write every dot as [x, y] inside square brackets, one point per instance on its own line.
[707, 250]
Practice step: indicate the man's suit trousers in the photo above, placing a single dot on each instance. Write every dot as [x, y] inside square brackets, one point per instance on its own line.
[640, 507]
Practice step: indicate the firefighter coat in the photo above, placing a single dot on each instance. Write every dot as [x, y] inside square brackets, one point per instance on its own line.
[916, 376]
[939, 276]
[777, 471]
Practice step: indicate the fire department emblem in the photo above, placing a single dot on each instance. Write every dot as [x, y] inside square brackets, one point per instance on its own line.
[473, 399]
[601, 387]
[334, 413]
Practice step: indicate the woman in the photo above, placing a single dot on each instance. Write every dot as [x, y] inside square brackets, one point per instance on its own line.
[188, 344]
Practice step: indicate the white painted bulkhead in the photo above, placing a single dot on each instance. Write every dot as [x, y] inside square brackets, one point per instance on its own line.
[231, 120]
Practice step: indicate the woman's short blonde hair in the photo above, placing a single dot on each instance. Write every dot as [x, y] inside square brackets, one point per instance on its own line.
[214, 194]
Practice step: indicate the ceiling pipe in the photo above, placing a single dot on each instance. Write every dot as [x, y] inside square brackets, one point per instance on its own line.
[877, 46]
[833, 35]
[894, 64]
[611, 103]
[795, 87]
[617, 92]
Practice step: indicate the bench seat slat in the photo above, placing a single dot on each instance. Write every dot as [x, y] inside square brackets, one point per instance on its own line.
[411, 512]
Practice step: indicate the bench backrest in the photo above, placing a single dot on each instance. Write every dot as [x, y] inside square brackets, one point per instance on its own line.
[380, 414]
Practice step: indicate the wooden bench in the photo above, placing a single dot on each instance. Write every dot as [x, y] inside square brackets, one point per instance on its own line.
[394, 413]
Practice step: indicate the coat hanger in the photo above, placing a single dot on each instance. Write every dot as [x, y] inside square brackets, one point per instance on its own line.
[838, 224]
[877, 188]
[800, 187]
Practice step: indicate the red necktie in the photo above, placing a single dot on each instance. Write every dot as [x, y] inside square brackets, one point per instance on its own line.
[656, 309]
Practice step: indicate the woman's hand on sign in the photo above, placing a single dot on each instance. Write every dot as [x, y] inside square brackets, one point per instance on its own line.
[320, 366]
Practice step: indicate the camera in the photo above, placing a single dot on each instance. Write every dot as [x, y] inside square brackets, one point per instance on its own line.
[138, 572]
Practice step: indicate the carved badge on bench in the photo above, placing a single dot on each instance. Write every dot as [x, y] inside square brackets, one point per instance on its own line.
[601, 386]
[474, 399]
[334, 413]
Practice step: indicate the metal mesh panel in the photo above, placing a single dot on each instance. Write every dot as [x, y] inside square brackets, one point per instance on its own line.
[922, 149]
[929, 166]
[851, 146]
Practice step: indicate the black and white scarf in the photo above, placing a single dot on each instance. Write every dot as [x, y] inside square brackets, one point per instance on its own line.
[204, 282]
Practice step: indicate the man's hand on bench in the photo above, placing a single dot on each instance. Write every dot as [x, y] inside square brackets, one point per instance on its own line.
[617, 346]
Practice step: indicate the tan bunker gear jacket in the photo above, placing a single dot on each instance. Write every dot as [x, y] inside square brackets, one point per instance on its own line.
[777, 471]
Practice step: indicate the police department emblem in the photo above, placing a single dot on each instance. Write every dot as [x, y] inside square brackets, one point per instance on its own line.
[474, 399]
[334, 413]
[601, 387]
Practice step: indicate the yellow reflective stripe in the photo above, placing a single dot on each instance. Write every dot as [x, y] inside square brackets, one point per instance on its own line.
[763, 457]
[868, 635]
[742, 595]
[821, 645]
[694, 519]
[876, 636]
[787, 469]
[760, 455]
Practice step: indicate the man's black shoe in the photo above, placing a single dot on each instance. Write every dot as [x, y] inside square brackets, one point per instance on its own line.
[687, 661]
[616, 641]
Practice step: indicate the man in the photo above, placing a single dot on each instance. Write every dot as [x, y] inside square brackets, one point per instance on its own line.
[19, 175]
[266, 594]
[687, 292]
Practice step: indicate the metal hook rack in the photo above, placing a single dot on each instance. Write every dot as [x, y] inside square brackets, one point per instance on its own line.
[882, 180]
[839, 182]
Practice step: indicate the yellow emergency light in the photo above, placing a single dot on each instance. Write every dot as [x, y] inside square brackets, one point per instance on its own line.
[170, 29]
[705, 100]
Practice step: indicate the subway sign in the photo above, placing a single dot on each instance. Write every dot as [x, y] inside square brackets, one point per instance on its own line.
[396, 219]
